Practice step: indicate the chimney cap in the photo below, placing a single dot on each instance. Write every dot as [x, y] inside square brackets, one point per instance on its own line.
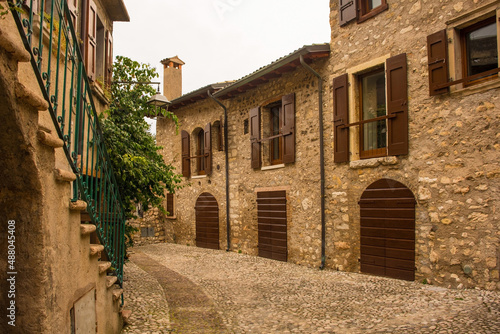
[174, 60]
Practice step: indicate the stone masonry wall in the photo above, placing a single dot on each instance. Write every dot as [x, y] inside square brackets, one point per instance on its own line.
[453, 165]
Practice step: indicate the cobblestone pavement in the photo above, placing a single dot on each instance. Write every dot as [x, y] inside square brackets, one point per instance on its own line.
[256, 295]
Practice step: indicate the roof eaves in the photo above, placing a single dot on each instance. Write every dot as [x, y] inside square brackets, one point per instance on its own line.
[199, 94]
[307, 49]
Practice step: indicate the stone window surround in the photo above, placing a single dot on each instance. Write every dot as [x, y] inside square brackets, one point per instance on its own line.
[453, 27]
[354, 101]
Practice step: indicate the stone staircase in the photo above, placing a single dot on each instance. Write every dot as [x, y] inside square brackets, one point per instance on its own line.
[48, 148]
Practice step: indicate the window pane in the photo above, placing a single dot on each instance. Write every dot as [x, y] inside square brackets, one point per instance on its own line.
[275, 130]
[374, 3]
[482, 52]
[374, 105]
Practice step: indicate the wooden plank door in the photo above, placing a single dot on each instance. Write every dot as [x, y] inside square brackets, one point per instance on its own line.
[387, 221]
[207, 222]
[272, 225]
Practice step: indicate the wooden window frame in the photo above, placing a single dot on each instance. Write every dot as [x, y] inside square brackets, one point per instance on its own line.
[171, 214]
[364, 13]
[463, 47]
[200, 145]
[380, 152]
[274, 132]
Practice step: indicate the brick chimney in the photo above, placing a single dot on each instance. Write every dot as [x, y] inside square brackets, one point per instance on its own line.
[172, 77]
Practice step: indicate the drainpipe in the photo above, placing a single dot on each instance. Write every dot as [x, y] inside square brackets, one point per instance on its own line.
[228, 225]
[321, 158]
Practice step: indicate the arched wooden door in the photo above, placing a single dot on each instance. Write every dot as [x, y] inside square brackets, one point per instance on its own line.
[207, 221]
[387, 220]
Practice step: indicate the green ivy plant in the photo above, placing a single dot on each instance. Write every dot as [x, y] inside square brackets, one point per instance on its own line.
[142, 175]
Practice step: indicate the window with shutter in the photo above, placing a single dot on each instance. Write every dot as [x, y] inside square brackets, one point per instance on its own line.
[185, 146]
[255, 146]
[91, 40]
[200, 152]
[340, 119]
[468, 49]
[382, 119]
[72, 6]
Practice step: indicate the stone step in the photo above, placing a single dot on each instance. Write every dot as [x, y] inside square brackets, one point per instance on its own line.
[78, 205]
[126, 315]
[117, 293]
[110, 281]
[104, 266]
[49, 139]
[10, 41]
[34, 99]
[86, 229]
[64, 175]
[95, 249]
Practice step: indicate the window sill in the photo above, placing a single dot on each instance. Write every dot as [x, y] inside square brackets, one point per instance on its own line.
[171, 217]
[374, 162]
[99, 93]
[477, 88]
[273, 167]
[198, 176]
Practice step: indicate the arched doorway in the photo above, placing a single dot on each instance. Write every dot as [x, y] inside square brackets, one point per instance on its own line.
[207, 221]
[387, 222]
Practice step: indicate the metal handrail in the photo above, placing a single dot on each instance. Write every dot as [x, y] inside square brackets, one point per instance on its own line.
[59, 67]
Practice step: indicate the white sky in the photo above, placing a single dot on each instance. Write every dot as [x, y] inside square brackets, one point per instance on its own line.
[218, 40]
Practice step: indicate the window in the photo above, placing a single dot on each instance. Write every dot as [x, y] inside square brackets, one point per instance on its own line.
[273, 140]
[170, 205]
[371, 115]
[360, 10]
[479, 48]
[370, 8]
[466, 53]
[202, 152]
[372, 106]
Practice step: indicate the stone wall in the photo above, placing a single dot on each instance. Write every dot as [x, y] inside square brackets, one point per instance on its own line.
[452, 167]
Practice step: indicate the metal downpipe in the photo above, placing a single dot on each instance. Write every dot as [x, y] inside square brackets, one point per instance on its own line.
[321, 158]
[226, 153]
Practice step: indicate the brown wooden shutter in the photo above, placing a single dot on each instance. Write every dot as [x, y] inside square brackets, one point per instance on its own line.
[347, 11]
[340, 119]
[186, 149]
[288, 127]
[170, 205]
[437, 57]
[397, 105]
[91, 40]
[108, 70]
[72, 6]
[221, 136]
[255, 137]
[207, 149]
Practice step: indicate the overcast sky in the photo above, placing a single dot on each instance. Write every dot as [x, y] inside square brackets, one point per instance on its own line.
[219, 40]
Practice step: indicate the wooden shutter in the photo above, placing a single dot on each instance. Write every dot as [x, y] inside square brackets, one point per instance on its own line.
[170, 205]
[186, 162]
[108, 70]
[207, 149]
[255, 137]
[72, 6]
[437, 57]
[397, 105]
[91, 40]
[288, 127]
[221, 128]
[340, 119]
[347, 11]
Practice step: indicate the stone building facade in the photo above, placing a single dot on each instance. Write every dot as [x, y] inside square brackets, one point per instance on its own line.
[61, 279]
[400, 180]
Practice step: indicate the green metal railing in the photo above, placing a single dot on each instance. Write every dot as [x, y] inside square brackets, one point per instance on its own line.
[49, 36]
